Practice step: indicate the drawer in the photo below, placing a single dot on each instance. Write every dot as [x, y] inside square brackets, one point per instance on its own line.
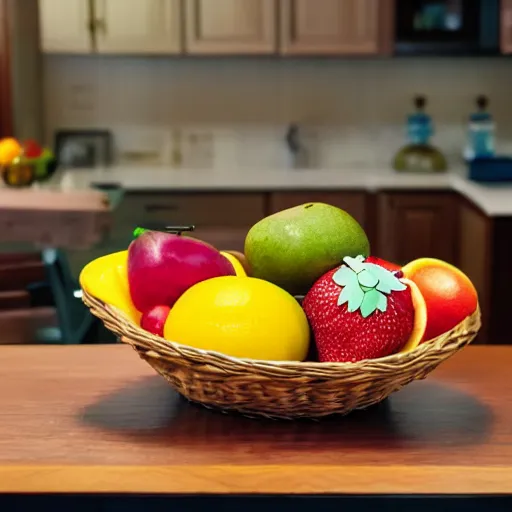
[353, 203]
[200, 209]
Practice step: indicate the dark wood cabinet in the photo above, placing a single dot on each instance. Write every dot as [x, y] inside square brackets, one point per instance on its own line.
[412, 225]
[475, 257]
[5, 73]
[506, 26]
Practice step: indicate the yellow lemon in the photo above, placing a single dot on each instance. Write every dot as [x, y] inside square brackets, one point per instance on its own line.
[106, 278]
[10, 148]
[239, 269]
[248, 318]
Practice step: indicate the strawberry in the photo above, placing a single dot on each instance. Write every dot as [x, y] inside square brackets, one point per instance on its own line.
[383, 263]
[359, 311]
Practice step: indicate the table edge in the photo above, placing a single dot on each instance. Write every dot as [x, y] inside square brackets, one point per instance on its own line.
[260, 479]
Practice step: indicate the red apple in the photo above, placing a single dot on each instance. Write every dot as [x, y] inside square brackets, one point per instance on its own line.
[154, 319]
[162, 266]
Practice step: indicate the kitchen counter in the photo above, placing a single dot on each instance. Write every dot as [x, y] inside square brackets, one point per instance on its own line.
[97, 419]
[494, 200]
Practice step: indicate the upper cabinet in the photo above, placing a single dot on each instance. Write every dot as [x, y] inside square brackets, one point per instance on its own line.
[65, 26]
[336, 27]
[230, 26]
[506, 26]
[138, 26]
[218, 27]
[111, 26]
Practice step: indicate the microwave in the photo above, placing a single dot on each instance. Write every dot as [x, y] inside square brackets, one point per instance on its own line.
[439, 27]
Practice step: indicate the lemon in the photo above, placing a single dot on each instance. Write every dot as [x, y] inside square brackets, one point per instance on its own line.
[106, 278]
[239, 269]
[248, 318]
[10, 148]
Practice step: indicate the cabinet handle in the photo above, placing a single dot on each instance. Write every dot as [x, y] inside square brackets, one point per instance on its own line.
[151, 208]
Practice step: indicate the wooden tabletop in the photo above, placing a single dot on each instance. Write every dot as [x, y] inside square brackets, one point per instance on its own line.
[98, 419]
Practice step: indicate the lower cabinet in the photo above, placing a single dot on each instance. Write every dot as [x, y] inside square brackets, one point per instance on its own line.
[475, 247]
[412, 225]
[221, 219]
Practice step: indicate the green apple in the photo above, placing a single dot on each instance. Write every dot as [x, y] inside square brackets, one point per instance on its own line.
[294, 247]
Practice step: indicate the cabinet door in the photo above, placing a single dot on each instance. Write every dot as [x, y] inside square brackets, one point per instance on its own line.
[336, 26]
[138, 26]
[415, 225]
[506, 26]
[65, 26]
[475, 247]
[230, 26]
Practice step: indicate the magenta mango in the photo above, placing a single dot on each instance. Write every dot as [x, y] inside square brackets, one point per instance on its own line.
[162, 266]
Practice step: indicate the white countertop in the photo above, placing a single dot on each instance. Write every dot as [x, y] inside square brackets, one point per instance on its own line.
[494, 200]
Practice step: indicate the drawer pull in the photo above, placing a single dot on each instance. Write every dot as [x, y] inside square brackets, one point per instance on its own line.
[150, 208]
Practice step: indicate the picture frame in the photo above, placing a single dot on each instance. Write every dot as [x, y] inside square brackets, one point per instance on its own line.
[76, 149]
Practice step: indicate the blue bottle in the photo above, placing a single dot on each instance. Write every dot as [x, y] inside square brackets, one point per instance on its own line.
[419, 155]
[481, 128]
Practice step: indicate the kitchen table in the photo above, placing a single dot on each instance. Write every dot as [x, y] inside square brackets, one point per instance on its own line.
[96, 425]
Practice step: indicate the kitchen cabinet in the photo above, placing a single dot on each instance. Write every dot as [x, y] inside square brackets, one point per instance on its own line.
[474, 257]
[336, 27]
[65, 26]
[230, 27]
[412, 225]
[138, 26]
[351, 202]
[506, 26]
[221, 219]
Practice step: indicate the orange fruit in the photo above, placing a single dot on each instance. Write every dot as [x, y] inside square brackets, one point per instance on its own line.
[449, 294]
[420, 317]
[10, 148]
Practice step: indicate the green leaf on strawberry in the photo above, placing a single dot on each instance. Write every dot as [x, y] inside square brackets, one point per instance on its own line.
[365, 286]
[353, 296]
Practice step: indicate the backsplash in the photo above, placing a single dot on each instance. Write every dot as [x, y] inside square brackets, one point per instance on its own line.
[236, 112]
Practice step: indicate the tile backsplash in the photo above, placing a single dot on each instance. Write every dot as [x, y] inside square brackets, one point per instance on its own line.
[236, 111]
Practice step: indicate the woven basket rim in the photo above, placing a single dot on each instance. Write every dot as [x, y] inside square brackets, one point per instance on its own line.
[470, 324]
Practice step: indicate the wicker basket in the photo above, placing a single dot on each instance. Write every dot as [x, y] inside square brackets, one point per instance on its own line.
[284, 390]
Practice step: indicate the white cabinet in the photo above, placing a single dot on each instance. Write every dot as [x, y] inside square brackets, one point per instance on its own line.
[138, 26]
[65, 26]
[111, 26]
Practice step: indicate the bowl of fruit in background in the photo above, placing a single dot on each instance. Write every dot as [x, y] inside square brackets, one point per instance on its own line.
[307, 322]
[23, 163]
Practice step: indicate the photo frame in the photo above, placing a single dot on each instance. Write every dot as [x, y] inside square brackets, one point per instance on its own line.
[83, 148]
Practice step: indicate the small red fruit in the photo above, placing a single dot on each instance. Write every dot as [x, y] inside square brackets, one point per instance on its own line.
[154, 320]
[362, 311]
[32, 149]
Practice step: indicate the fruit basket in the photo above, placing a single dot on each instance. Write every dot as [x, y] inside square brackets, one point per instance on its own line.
[304, 385]
[284, 390]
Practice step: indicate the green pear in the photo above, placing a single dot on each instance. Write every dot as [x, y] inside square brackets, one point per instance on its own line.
[294, 247]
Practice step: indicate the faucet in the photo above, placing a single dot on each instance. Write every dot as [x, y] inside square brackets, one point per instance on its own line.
[299, 154]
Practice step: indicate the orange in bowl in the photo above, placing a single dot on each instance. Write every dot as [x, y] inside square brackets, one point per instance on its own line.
[449, 294]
